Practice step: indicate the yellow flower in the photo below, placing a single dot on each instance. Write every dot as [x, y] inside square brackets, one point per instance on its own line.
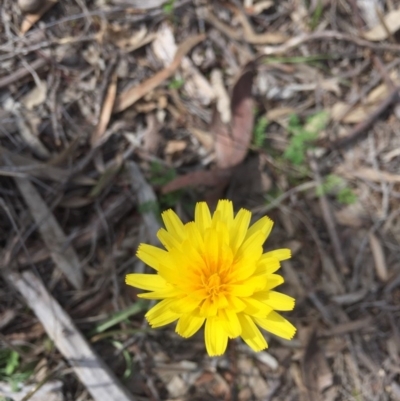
[214, 271]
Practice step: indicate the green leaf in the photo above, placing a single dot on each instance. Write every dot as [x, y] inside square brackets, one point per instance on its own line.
[176, 83]
[346, 196]
[12, 363]
[137, 307]
[259, 132]
[303, 136]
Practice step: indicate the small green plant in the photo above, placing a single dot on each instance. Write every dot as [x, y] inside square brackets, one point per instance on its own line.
[259, 132]
[176, 83]
[317, 14]
[12, 370]
[346, 196]
[302, 136]
[335, 185]
[149, 207]
[160, 175]
[168, 7]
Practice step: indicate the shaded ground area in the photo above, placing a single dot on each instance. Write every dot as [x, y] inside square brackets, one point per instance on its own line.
[112, 111]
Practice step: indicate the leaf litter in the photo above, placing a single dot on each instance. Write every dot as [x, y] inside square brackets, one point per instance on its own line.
[115, 111]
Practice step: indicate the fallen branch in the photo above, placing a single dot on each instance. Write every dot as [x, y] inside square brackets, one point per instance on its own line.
[90, 369]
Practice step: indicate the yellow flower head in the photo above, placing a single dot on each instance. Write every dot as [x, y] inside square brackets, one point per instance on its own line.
[214, 271]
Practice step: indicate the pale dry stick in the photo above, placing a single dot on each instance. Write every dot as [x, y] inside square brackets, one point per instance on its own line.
[299, 40]
[53, 106]
[53, 236]
[104, 87]
[22, 72]
[358, 259]
[93, 373]
[280, 199]
[391, 87]
[248, 34]
[98, 136]
[329, 221]
[48, 43]
[145, 195]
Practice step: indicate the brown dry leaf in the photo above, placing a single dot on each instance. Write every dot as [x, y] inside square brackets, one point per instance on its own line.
[132, 95]
[259, 7]
[317, 374]
[379, 257]
[278, 113]
[390, 25]
[36, 96]
[210, 178]
[175, 146]
[369, 174]
[31, 19]
[351, 216]
[126, 40]
[204, 137]
[361, 112]
[98, 137]
[151, 136]
[232, 141]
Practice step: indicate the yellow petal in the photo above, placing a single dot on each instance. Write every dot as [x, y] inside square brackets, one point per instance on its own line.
[213, 252]
[208, 308]
[221, 301]
[161, 314]
[276, 324]
[231, 322]
[257, 283]
[279, 301]
[236, 303]
[161, 294]
[202, 217]
[173, 224]
[225, 207]
[216, 338]
[254, 307]
[151, 255]
[193, 234]
[264, 225]
[251, 334]
[185, 305]
[240, 290]
[189, 324]
[267, 265]
[280, 254]
[167, 239]
[273, 280]
[150, 282]
[239, 229]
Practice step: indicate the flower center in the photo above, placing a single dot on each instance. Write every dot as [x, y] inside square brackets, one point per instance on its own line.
[212, 284]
